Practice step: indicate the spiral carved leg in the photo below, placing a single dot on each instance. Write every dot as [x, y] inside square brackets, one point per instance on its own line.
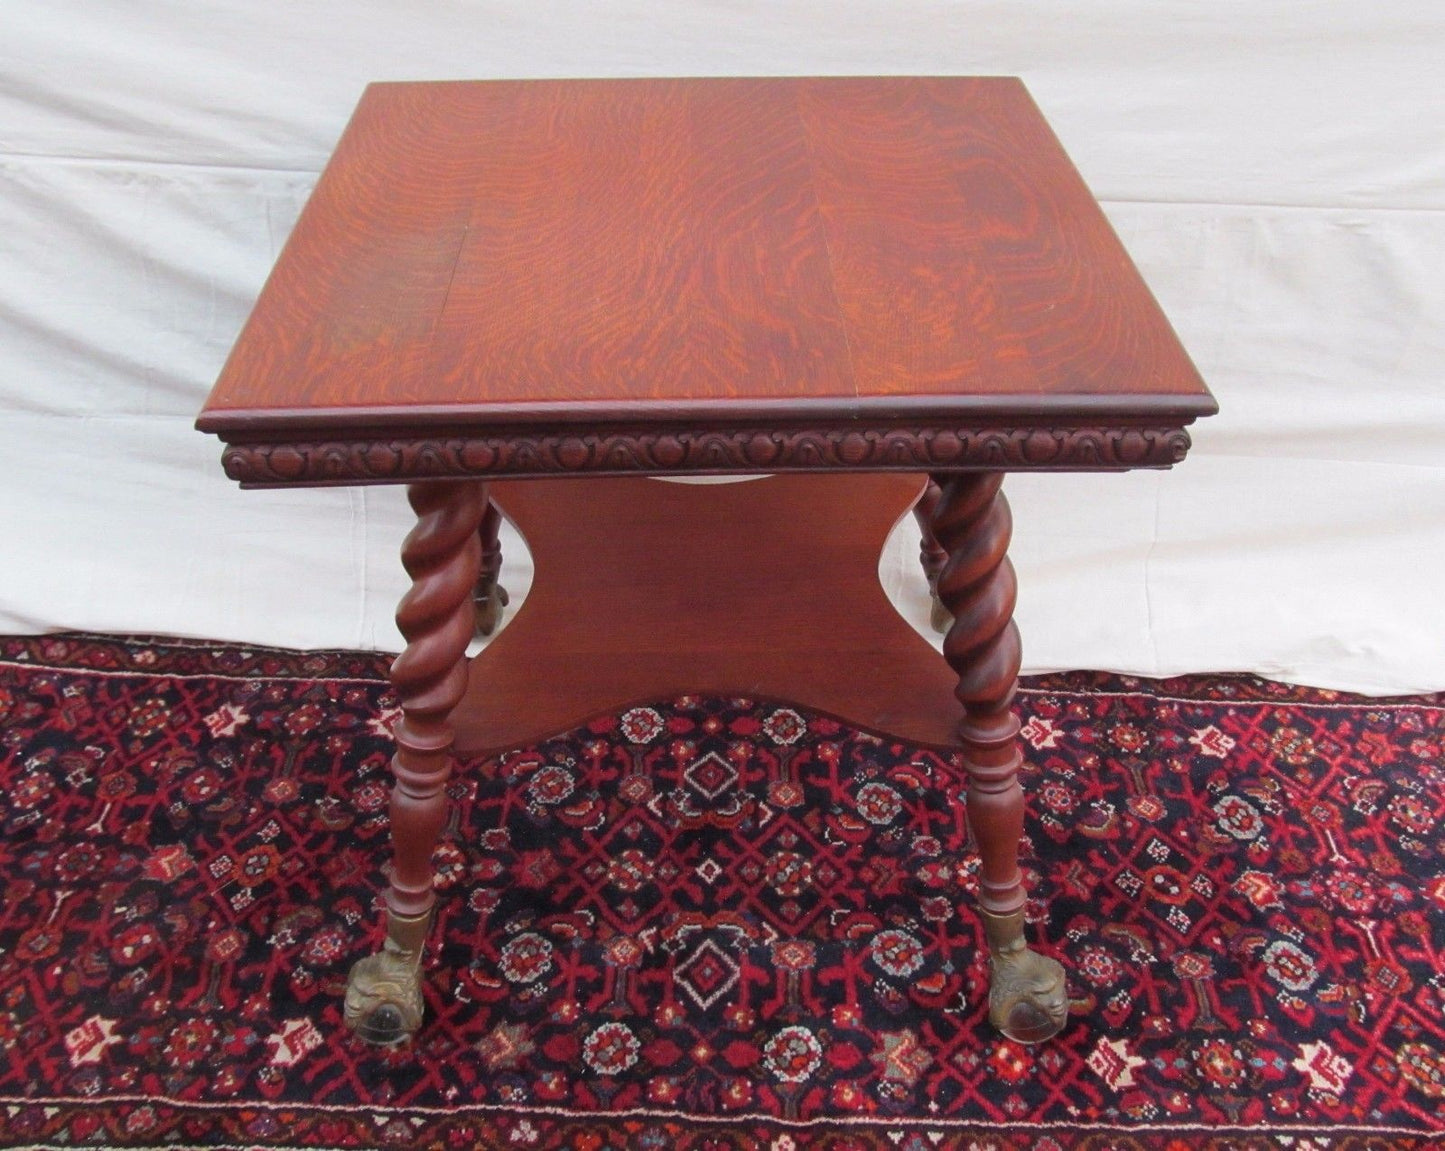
[489, 596]
[930, 553]
[1027, 1001]
[443, 556]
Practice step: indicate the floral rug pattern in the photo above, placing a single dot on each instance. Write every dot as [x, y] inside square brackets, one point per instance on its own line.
[710, 922]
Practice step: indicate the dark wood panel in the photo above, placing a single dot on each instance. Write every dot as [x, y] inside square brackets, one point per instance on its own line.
[646, 590]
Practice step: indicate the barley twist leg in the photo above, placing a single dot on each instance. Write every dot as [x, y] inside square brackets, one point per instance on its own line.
[1027, 1001]
[930, 553]
[489, 595]
[443, 556]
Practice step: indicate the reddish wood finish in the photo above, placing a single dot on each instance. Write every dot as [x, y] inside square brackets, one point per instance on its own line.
[489, 596]
[719, 447]
[570, 277]
[795, 251]
[978, 587]
[443, 557]
[646, 590]
[931, 555]
[1027, 997]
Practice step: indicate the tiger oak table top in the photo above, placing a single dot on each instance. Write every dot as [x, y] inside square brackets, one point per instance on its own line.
[700, 275]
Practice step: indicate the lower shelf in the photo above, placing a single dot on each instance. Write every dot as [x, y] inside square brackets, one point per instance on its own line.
[646, 590]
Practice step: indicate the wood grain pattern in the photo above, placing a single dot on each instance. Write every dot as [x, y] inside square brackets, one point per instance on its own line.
[767, 588]
[626, 248]
[355, 296]
[965, 247]
[673, 250]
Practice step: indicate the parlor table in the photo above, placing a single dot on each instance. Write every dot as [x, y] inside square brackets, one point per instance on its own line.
[524, 298]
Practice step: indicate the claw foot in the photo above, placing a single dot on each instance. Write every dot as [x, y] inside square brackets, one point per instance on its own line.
[383, 996]
[489, 609]
[942, 618]
[1026, 998]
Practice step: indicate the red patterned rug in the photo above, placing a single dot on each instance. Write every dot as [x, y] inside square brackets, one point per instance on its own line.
[710, 923]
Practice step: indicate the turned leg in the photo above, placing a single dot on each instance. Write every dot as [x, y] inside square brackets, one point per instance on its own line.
[489, 596]
[930, 553]
[443, 555]
[977, 585]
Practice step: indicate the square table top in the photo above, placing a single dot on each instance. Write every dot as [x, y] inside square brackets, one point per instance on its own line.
[683, 257]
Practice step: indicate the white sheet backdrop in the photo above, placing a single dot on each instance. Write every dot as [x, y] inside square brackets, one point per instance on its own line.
[1277, 170]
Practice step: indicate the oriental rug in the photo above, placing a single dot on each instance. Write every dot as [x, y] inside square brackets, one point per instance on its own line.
[710, 923]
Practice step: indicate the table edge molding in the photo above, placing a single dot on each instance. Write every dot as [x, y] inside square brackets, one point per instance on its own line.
[398, 457]
[797, 411]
